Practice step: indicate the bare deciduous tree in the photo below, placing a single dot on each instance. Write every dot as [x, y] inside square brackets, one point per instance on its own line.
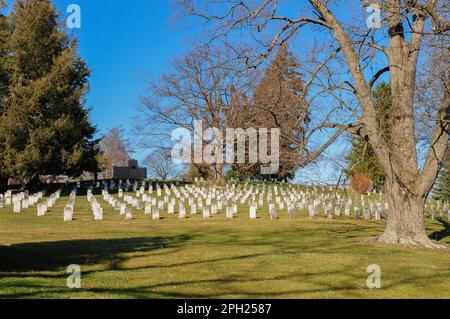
[202, 86]
[114, 150]
[348, 59]
[212, 85]
[161, 165]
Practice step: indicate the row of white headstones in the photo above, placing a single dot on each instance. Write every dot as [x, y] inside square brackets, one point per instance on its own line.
[431, 208]
[23, 200]
[211, 200]
[70, 207]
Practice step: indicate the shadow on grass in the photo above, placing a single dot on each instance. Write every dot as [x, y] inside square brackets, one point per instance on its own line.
[351, 285]
[171, 288]
[440, 235]
[25, 261]
[54, 256]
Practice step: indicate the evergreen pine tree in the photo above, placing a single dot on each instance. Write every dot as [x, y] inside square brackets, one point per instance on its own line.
[442, 188]
[4, 35]
[362, 159]
[45, 129]
[4, 79]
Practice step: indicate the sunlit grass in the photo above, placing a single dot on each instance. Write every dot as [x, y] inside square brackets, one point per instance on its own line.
[216, 258]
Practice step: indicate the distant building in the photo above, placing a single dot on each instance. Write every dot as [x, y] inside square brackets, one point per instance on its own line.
[133, 171]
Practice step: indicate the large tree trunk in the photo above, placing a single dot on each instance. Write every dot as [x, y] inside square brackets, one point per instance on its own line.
[406, 223]
[218, 172]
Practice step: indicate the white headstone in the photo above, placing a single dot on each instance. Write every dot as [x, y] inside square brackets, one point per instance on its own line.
[123, 208]
[206, 213]
[68, 214]
[98, 213]
[128, 214]
[17, 207]
[182, 213]
[252, 212]
[148, 209]
[272, 211]
[311, 212]
[230, 214]
[155, 213]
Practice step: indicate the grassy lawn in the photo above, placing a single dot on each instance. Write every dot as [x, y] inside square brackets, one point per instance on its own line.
[216, 258]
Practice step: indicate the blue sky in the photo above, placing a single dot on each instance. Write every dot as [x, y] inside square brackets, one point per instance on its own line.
[120, 44]
[122, 41]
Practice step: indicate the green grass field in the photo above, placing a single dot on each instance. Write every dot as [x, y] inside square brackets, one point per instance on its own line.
[216, 258]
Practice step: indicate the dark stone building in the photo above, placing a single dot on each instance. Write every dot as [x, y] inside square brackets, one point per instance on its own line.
[133, 171]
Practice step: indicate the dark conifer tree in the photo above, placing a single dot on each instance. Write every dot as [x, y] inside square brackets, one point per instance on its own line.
[362, 158]
[45, 128]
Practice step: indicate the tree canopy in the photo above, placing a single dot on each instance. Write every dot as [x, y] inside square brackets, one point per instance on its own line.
[442, 188]
[45, 128]
[279, 101]
[344, 58]
[362, 158]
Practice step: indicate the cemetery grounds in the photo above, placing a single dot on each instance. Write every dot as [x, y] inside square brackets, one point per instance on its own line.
[211, 258]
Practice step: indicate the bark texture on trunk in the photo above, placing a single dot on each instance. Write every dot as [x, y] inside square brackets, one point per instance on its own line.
[409, 185]
[406, 223]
